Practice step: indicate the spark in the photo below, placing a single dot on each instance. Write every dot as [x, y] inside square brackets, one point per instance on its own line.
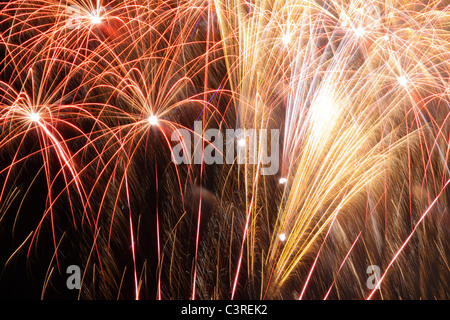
[344, 19]
[287, 38]
[95, 17]
[34, 117]
[359, 32]
[96, 20]
[153, 120]
[403, 81]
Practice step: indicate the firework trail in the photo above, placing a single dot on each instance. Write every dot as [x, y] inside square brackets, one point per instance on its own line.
[92, 93]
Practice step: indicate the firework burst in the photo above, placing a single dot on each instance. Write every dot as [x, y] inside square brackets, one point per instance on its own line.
[93, 92]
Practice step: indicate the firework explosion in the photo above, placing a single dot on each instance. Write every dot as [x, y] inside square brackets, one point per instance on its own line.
[92, 93]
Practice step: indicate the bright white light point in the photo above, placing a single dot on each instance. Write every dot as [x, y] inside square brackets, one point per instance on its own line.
[282, 237]
[287, 39]
[241, 142]
[96, 19]
[95, 16]
[283, 180]
[153, 120]
[34, 117]
[386, 37]
[343, 18]
[360, 32]
[402, 81]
